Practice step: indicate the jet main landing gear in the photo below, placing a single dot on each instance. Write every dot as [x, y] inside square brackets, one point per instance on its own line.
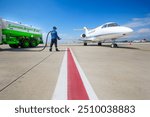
[99, 43]
[85, 44]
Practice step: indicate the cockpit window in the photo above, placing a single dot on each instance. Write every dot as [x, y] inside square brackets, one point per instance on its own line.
[110, 25]
[113, 25]
[104, 26]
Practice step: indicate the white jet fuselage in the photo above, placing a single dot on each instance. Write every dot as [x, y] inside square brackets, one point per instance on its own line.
[110, 31]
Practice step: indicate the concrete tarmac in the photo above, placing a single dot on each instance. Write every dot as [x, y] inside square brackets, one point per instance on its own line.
[114, 73]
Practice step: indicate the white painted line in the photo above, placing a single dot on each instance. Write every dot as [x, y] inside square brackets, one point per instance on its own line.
[60, 92]
[87, 85]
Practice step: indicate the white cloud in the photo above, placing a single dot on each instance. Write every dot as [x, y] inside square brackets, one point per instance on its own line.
[144, 30]
[134, 24]
[141, 27]
[139, 22]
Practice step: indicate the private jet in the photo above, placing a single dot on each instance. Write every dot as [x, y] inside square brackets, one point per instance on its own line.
[108, 31]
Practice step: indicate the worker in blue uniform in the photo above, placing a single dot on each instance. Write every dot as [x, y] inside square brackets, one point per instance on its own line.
[54, 38]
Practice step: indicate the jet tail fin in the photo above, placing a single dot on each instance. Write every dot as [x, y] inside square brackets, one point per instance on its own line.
[86, 29]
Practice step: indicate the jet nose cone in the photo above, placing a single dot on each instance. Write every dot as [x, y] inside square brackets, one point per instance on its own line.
[129, 30]
[126, 30]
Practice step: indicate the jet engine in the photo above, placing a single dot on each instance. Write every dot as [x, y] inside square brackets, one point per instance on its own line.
[83, 35]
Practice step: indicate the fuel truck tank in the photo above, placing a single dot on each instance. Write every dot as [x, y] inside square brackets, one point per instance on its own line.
[19, 35]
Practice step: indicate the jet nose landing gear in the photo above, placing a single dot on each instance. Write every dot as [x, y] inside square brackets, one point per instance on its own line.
[114, 45]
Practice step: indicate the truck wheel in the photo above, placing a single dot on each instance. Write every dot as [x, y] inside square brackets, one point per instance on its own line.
[25, 43]
[14, 45]
[33, 43]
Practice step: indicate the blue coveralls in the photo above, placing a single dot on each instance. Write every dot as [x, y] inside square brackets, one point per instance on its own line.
[54, 38]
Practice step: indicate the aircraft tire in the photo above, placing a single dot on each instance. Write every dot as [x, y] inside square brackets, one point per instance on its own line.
[99, 44]
[114, 45]
[85, 44]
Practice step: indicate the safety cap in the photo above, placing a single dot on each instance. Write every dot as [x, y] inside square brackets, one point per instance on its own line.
[54, 27]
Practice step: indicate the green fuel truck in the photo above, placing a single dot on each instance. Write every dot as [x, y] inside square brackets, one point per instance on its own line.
[19, 35]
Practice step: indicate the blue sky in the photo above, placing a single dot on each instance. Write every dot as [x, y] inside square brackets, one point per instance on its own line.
[72, 14]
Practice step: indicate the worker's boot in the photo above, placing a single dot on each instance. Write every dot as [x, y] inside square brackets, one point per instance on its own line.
[57, 49]
[50, 49]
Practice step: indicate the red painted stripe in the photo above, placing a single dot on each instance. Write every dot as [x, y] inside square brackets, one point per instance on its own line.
[76, 89]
